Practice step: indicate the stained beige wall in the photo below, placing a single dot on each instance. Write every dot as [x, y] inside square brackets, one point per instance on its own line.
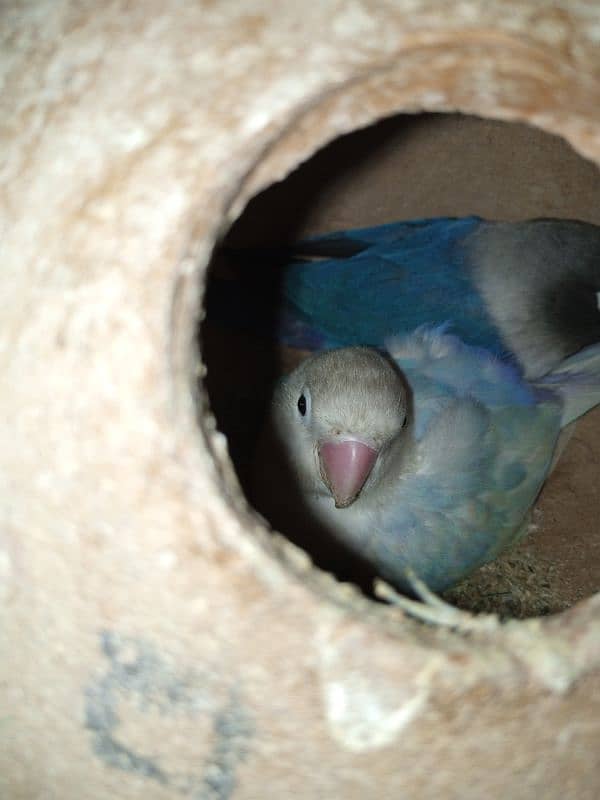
[155, 642]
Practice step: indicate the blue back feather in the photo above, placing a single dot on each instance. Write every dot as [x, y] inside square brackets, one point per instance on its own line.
[409, 274]
[384, 281]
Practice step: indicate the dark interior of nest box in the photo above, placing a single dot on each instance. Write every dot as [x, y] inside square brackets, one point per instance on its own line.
[406, 167]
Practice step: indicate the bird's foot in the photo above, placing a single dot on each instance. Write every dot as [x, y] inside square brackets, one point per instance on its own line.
[433, 609]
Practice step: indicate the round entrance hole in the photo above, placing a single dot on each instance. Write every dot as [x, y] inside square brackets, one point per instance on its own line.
[407, 167]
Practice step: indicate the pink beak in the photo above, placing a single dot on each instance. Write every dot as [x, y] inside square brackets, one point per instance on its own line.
[345, 466]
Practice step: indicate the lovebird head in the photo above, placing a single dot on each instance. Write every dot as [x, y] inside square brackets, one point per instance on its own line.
[335, 416]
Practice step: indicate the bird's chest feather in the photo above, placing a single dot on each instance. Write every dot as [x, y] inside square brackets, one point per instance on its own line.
[464, 498]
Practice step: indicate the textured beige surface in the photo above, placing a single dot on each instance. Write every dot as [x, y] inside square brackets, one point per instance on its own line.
[152, 644]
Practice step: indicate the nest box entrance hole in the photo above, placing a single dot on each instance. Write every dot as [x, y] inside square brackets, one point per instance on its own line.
[407, 167]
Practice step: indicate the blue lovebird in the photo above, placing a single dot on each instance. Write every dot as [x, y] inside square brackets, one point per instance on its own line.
[525, 291]
[427, 458]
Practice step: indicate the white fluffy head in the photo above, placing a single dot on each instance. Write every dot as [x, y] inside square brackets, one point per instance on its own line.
[354, 392]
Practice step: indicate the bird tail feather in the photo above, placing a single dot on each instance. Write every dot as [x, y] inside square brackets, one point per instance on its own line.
[577, 380]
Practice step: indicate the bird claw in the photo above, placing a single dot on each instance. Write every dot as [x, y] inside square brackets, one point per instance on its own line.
[432, 608]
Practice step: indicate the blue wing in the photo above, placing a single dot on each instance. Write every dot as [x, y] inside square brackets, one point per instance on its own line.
[379, 282]
[407, 275]
[526, 291]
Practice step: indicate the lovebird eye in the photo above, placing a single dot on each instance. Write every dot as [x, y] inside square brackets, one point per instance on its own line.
[302, 404]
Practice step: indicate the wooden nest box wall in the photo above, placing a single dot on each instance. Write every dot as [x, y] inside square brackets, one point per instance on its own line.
[157, 641]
